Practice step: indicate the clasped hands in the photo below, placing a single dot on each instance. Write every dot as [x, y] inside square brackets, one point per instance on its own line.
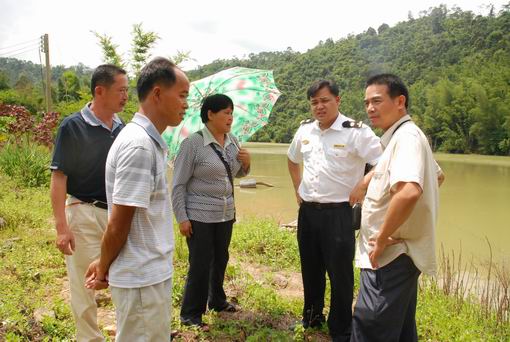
[95, 278]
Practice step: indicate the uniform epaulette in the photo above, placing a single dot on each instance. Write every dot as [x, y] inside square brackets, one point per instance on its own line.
[307, 121]
[352, 124]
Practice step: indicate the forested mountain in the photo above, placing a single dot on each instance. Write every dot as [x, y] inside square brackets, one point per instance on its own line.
[13, 68]
[21, 83]
[456, 63]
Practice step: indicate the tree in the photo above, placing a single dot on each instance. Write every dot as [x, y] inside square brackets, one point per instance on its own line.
[371, 31]
[438, 16]
[4, 81]
[142, 43]
[110, 54]
[382, 28]
[68, 88]
[24, 83]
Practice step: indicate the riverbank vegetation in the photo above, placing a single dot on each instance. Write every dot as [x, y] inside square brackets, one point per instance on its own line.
[262, 277]
[455, 63]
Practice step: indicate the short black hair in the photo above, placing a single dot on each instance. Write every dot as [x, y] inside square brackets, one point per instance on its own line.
[104, 75]
[396, 86]
[215, 103]
[318, 85]
[158, 71]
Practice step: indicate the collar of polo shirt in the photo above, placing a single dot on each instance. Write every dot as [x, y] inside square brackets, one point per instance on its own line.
[148, 126]
[90, 118]
[386, 137]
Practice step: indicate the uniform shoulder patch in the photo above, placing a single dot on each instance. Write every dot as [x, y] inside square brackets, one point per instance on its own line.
[352, 124]
[307, 121]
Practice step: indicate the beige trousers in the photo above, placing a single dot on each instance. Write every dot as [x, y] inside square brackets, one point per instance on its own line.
[88, 224]
[143, 314]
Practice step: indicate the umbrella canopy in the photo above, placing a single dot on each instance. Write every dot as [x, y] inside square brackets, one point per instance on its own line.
[253, 92]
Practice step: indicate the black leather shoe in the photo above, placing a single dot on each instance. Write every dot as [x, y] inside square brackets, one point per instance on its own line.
[195, 323]
[229, 307]
[317, 322]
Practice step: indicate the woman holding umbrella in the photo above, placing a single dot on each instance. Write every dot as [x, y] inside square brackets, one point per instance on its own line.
[203, 203]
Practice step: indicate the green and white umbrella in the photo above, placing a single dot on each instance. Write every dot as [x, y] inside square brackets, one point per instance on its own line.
[253, 92]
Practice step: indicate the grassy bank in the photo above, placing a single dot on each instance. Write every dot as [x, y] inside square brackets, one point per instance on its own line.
[263, 277]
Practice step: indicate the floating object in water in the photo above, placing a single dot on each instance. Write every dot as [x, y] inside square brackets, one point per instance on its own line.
[289, 226]
[252, 183]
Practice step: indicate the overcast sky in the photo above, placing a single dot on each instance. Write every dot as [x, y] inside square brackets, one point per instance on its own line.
[210, 30]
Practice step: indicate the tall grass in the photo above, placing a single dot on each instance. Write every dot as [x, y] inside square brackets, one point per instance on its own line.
[482, 288]
[27, 163]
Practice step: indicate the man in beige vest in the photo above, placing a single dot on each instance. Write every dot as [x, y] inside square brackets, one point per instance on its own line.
[399, 214]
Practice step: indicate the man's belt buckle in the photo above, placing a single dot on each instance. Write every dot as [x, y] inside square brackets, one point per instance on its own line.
[100, 204]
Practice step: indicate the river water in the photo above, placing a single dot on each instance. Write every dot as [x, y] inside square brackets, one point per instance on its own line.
[474, 200]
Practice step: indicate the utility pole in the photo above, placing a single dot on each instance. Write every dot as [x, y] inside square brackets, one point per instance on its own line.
[46, 50]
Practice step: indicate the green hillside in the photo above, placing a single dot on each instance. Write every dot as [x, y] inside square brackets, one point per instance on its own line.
[456, 63]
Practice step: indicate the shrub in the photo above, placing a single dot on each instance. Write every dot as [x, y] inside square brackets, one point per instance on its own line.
[18, 122]
[26, 163]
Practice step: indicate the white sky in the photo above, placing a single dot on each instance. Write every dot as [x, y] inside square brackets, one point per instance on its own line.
[210, 29]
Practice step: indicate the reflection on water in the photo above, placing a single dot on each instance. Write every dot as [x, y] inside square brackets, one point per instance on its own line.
[474, 203]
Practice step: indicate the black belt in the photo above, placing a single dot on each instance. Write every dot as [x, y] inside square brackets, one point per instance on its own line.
[95, 203]
[318, 205]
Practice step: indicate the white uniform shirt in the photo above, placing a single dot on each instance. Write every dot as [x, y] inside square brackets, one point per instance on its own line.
[334, 159]
[407, 158]
[136, 177]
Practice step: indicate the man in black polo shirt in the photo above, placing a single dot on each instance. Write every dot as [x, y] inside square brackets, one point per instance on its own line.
[78, 169]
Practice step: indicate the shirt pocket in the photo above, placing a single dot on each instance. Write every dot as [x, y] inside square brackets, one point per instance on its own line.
[379, 186]
[337, 158]
[306, 149]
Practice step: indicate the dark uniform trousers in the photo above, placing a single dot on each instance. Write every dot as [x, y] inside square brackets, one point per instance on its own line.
[208, 258]
[326, 244]
[386, 306]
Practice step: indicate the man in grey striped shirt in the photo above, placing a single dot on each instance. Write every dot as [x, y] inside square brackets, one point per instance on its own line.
[136, 251]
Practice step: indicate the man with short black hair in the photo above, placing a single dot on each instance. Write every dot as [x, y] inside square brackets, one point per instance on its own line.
[399, 216]
[78, 169]
[136, 252]
[334, 150]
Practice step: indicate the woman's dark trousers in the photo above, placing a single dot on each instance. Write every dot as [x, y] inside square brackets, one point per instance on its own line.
[208, 258]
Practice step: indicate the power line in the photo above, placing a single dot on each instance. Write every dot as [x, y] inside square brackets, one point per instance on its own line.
[32, 46]
[20, 53]
[11, 46]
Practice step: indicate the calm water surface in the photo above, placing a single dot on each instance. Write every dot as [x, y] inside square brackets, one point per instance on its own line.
[474, 207]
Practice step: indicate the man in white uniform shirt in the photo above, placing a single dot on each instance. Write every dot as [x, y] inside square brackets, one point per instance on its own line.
[334, 151]
[398, 223]
[136, 251]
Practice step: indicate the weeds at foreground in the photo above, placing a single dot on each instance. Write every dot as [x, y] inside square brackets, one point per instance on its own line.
[468, 285]
[32, 269]
[26, 162]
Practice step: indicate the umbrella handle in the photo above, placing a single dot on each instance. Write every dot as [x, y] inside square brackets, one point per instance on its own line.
[235, 142]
